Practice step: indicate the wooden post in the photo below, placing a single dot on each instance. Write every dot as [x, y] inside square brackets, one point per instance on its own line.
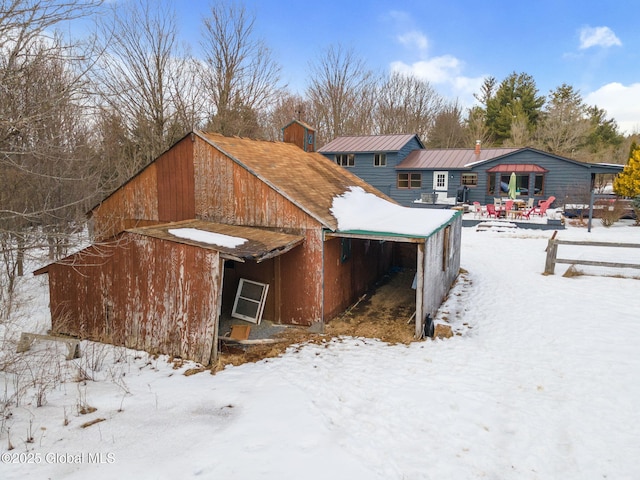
[420, 291]
[550, 263]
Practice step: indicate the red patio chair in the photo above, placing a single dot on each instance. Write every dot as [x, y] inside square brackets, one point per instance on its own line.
[491, 210]
[541, 209]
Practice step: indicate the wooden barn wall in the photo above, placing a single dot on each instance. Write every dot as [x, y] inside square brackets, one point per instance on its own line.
[135, 204]
[142, 293]
[346, 281]
[228, 193]
[175, 171]
[297, 134]
[437, 281]
[263, 272]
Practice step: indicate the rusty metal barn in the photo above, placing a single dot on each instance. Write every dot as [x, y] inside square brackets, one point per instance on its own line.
[144, 285]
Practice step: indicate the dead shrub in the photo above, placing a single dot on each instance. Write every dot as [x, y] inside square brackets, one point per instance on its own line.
[611, 213]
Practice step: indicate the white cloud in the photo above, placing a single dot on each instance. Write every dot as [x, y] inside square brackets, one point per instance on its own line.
[445, 73]
[598, 37]
[621, 103]
[414, 39]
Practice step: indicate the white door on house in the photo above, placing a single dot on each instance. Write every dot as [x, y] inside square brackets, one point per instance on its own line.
[440, 181]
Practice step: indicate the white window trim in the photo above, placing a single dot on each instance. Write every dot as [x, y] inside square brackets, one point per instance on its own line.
[446, 181]
[259, 302]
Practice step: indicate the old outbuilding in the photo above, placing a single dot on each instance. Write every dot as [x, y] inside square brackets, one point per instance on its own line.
[254, 229]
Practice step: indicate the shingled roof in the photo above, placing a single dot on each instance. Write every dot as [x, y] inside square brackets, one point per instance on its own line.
[309, 180]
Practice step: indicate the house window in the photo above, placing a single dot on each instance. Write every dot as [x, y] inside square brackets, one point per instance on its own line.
[345, 159]
[539, 184]
[470, 179]
[409, 180]
[522, 184]
[491, 184]
[379, 159]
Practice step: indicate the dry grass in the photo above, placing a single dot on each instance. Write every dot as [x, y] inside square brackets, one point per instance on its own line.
[383, 314]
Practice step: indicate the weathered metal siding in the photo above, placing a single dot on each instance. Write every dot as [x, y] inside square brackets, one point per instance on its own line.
[142, 293]
[437, 281]
[137, 200]
[346, 281]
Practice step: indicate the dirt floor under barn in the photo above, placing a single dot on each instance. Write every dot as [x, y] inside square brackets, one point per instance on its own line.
[383, 313]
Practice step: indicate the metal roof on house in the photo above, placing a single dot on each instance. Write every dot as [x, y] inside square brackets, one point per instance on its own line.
[308, 179]
[260, 244]
[517, 168]
[450, 158]
[368, 143]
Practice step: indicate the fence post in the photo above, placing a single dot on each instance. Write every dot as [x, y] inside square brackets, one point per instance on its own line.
[550, 263]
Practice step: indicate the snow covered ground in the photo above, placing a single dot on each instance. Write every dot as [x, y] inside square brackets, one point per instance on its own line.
[543, 383]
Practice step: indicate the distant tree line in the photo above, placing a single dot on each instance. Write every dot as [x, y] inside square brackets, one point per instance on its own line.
[79, 116]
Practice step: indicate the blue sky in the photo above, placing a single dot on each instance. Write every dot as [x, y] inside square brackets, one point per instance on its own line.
[592, 45]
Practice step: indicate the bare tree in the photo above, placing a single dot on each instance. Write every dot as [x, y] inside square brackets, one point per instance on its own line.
[286, 108]
[45, 157]
[448, 129]
[240, 76]
[341, 92]
[145, 77]
[407, 104]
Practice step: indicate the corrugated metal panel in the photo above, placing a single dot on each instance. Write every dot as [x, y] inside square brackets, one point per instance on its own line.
[366, 143]
[444, 159]
[260, 245]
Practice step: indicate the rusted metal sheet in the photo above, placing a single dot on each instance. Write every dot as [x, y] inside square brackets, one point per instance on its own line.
[140, 292]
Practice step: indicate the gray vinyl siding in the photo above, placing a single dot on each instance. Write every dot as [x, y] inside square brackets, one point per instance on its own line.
[563, 178]
[382, 178]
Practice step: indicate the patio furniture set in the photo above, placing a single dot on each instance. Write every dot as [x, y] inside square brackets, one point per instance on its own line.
[512, 209]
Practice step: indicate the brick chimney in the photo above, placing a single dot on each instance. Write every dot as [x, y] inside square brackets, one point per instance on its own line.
[477, 147]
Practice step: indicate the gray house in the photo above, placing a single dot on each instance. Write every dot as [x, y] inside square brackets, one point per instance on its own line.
[401, 167]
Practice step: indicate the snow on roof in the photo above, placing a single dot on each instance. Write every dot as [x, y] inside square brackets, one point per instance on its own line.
[207, 237]
[359, 210]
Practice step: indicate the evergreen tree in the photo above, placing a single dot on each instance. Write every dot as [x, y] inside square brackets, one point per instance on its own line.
[627, 183]
[515, 100]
